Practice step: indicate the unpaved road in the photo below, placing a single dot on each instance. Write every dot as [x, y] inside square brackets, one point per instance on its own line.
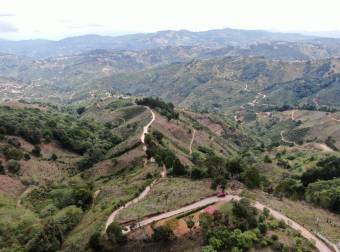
[324, 147]
[292, 116]
[148, 188]
[192, 141]
[319, 244]
[285, 140]
[257, 97]
[334, 119]
[146, 127]
[135, 200]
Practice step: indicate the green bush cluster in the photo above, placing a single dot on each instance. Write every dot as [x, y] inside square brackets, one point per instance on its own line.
[241, 229]
[72, 133]
[221, 169]
[61, 196]
[319, 184]
[166, 109]
[325, 194]
[164, 156]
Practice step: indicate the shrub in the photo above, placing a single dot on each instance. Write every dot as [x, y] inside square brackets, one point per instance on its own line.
[81, 110]
[208, 248]
[251, 177]
[325, 169]
[95, 242]
[115, 234]
[13, 166]
[36, 151]
[267, 159]
[163, 233]
[263, 228]
[48, 210]
[53, 157]
[2, 168]
[12, 153]
[14, 141]
[27, 156]
[68, 218]
[48, 240]
[166, 109]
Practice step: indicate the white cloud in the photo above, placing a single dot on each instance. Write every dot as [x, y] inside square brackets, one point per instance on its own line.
[7, 27]
[58, 18]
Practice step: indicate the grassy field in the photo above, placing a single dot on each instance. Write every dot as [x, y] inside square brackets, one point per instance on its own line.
[170, 193]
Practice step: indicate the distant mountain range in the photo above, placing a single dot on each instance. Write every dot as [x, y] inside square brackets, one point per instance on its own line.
[213, 39]
[198, 70]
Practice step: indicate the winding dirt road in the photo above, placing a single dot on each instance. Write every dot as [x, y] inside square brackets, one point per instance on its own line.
[283, 139]
[146, 127]
[319, 244]
[292, 115]
[192, 141]
[145, 192]
[334, 119]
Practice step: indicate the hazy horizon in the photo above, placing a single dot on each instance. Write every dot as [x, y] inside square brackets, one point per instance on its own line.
[54, 20]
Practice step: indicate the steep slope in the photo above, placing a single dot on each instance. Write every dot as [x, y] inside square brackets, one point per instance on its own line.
[74, 168]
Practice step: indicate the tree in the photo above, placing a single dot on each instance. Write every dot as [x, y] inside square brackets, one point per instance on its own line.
[208, 248]
[54, 157]
[115, 234]
[2, 168]
[13, 166]
[251, 177]
[12, 153]
[36, 151]
[157, 135]
[178, 169]
[267, 159]
[95, 242]
[68, 218]
[234, 165]
[190, 222]
[266, 212]
[27, 156]
[217, 244]
[163, 233]
[245, 213]
[82, 197]
[81, 110]
[48, 240]
[263, 228]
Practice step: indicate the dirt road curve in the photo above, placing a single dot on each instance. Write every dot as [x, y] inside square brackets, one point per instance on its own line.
[285, 140]
[146, 127]
[148, 188]
[292, 116]
[192, 141]
[334, 119]
[325, 148]
[320, 245]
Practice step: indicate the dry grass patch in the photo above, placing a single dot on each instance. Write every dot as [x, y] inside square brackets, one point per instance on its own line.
[168, 194]
[11, 186]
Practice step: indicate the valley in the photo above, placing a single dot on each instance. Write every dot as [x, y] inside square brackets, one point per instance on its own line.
[225, 140]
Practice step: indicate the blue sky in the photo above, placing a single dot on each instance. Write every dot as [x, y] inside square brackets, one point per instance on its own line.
[55, 19]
